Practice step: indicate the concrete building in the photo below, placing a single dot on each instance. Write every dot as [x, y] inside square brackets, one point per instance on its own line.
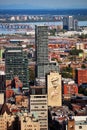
[2, 96]
[80, 46]
[38, 106]
[54, 89]
[16, 64]
[77, 123]
[1, 53]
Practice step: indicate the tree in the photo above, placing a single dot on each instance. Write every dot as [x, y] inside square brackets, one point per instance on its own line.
[75, 52]
[82, 36]
[83, 66]
[52, 31]
[67, 72]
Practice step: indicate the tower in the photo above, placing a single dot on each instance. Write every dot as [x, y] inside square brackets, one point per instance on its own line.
[41, 42]
[76, 24]
[68, 23]
[43, 65]
[16, 64]
[65, 23]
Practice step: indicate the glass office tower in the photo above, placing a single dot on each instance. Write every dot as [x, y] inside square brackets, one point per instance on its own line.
[43, 65]
[16, 64]
[68, 23]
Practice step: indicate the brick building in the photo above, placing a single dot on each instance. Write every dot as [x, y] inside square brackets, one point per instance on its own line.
[81, 76]
[70, 89]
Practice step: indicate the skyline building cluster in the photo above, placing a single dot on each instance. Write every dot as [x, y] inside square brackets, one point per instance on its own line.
[70, 24]
[28, 105]
[17, 81]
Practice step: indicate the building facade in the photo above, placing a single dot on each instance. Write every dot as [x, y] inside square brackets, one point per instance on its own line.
[2, 82]
[77, 123]
[28, 122]
[22, 121]
[69, 23]
[81, 76]
[43, 65]
[70, 89]
[38, 105]
[16, 64]
[54, 89]
[41, 42]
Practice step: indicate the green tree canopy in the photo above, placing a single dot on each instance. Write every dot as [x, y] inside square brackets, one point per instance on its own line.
[75, 51]
[67, 72]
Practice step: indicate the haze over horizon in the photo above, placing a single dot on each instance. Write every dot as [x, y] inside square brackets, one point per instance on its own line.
[43, 4]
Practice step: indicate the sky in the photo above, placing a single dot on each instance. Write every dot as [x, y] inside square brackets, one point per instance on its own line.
[42, 4]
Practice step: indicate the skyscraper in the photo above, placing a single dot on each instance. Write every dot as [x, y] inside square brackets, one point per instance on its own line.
[65, 23]
[43, 65]
[69, 23]
[16, 64]
[76, 25]
[41, 42]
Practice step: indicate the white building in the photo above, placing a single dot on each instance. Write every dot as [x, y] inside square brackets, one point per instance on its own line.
[38, 107]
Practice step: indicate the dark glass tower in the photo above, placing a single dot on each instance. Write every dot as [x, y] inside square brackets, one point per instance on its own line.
[68, 23]
[43, 65]
[16, 64]
[41, 42]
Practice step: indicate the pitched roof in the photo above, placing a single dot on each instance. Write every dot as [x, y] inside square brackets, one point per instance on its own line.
[5, 109]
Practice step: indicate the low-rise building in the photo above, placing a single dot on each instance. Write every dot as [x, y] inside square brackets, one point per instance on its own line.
[77, 123]
[19, 121]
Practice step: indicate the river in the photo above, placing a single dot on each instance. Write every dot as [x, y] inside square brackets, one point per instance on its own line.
[32, 24]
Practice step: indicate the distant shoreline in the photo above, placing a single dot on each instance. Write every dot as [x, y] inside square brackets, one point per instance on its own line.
[43, 12]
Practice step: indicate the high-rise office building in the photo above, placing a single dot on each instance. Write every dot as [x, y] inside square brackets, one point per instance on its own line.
[43, 65]
[41, 42]
[16, 64]
[76, 25]
[65, 23]
[69, 23]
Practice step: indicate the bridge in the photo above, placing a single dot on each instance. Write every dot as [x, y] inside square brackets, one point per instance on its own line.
[14, 26]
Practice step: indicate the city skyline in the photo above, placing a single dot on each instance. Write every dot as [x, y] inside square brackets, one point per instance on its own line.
[40, 4]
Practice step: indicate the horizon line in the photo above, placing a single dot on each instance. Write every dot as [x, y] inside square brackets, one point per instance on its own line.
[43, 9]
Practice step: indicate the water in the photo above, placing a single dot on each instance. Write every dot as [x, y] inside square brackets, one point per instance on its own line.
[82, 23]
[32, 24]
[47, 12]
[44, 12]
